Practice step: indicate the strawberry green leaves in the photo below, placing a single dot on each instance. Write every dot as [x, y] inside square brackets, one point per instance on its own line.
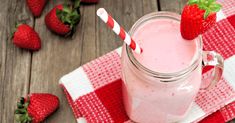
[77, 4]
[21, 113]
[68, 15]
[207, 12]
[210, 6]
[190, 2]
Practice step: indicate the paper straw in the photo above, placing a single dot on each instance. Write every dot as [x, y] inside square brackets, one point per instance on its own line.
[101, 12]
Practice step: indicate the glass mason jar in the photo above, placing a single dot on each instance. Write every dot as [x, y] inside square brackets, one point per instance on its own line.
[155, 97]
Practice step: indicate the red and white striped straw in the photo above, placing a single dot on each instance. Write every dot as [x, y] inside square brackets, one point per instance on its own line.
[101, 12]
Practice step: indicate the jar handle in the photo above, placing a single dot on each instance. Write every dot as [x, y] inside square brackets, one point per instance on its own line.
[212, 59]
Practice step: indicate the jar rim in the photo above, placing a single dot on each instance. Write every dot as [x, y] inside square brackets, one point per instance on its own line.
[167, 76]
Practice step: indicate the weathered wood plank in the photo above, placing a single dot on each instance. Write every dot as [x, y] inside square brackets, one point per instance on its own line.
[172, 5]
[133, 10]
[14, 62]
[88, 31]
[149, 6]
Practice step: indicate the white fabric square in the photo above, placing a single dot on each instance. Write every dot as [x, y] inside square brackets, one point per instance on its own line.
[220, 16]
[81, 120]
[77, 83]
[119, 51]
[229, 70]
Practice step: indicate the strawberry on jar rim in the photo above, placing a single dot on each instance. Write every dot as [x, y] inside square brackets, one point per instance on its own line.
[36, 6]
[197, 17]
[36, 107]
[25, 37]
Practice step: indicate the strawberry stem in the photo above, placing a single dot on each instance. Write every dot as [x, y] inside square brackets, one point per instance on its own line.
[77, 4]
[21, 113]
[14, 29]
[210, 6]
[70, 15]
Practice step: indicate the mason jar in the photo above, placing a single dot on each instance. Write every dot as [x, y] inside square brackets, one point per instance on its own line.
[160, 97]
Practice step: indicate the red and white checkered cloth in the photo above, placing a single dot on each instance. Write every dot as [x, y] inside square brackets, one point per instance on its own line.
[94, 89]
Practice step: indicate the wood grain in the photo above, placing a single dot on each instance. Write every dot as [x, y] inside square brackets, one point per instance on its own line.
[14, 62]
[172, 5]
[88, 40]
[149, 6]
[106, 39]
[125, 13]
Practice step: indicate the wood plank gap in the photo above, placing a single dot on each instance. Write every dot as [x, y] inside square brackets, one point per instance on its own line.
[14, 61]
[30, 71]
[2, 81]
[172, 6]
[31, 59]
[158, 5]
[97, 37]
[81, 22]
[142, 6]
[96, 40]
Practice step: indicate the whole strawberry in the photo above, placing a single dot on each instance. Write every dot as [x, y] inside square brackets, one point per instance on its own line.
[36, 107]
[36, 6]
[197, 17]
[25, 37]
[62, 19]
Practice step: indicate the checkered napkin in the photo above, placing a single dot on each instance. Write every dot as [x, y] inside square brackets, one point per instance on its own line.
[94, 89]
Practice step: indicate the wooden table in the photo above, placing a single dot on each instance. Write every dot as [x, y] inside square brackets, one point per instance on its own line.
[23, 72]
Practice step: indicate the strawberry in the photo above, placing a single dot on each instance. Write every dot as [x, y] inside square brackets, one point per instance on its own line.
[36, 107]
[197, 17]
[36, 6]
[26, 37]
[62, 19]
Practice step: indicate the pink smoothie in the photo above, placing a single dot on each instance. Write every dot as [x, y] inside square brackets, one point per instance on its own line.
[164, 49]
[149, 100]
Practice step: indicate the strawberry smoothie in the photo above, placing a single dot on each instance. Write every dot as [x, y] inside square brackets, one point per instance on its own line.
[149, 95]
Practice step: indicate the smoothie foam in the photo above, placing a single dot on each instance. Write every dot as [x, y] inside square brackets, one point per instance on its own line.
[165, 50]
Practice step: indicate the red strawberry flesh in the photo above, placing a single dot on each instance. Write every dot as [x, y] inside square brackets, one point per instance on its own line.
[36, 6]
[42, 105]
